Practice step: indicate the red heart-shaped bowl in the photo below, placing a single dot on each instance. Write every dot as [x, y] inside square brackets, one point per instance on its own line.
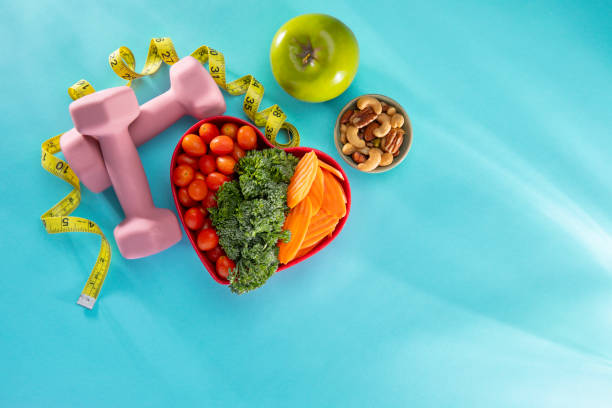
[262, 143]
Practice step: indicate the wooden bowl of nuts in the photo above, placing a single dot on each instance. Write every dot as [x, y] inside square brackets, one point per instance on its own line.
[373, 133]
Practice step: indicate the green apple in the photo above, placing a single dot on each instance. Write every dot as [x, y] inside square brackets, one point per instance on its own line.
[314, 57]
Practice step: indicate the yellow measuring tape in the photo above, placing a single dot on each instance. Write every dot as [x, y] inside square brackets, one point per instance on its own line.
[56, 219]
[162, 50]
[123, 63]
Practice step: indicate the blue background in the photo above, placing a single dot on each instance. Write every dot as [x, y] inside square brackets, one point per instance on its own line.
[476, 274]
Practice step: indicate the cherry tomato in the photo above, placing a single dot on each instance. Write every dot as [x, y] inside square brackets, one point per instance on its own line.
[204, 213]
[223, 266]
[215, 179]
[207, 239]
[222, 145]
[197, 189]
[193, 145]
[182, 175]
[229, 129]
[194, 219]
[188, 160]
[208, 132]
[183, 197]
[199, 176]
[210, 200]
[207, 223]
[238, 152]
[207, 164]
[226, 164]
[247, 139]
[215, 253]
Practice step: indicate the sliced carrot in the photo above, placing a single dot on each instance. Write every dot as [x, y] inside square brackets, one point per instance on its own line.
[302, 179]
[333, 196]
[304, 251]
[331, 169]
[297, 223]
[319, 222]
[320, 225]
[316, 191]
[323, 235]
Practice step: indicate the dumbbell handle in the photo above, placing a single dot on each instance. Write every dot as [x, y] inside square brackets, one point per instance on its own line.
[156, 115]
[126, 173]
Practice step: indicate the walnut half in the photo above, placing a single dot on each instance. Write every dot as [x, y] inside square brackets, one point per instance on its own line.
[393, 141]
[362, 118]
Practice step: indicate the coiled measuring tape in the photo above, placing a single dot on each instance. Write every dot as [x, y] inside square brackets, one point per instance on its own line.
[161, 50]
[57, 220]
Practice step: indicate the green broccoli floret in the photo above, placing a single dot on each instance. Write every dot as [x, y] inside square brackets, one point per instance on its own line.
[250, 214]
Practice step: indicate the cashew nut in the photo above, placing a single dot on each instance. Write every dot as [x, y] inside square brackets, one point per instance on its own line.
[366, 101]
[397, 120]
[372, 162]
[353, 138]
[386, 159]
[385, 125]
[364, 150]
[343, 133]
[348, 149]
[391, 111]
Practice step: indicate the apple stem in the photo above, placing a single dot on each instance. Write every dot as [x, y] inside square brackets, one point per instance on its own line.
[308, 53]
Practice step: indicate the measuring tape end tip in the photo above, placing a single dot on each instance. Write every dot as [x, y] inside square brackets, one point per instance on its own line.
[86, 301]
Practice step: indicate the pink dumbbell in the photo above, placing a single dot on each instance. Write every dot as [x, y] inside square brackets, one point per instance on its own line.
[192, 92]
[106, 116]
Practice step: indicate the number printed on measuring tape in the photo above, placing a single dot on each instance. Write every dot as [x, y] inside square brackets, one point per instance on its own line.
[57, 219]
[161, 50]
